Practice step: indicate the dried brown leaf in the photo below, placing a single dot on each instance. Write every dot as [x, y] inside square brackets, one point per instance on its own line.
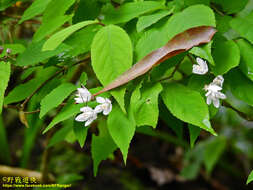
[180, 43]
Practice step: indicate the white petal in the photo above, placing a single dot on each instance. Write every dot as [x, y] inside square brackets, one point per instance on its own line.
[221, 95]
[218, 80]
[214, 88]
[108, 101]
[200, 61]
[196, 69]
[86, 109]
[208, 100]
[107, 111]
[216, 102]
[78, 100]
[100, 100]
[80, 118]
[98, 109]
[208, 93]
[88, 122]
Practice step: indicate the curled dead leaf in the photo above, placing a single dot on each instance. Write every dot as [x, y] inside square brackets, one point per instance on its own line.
[180, 43]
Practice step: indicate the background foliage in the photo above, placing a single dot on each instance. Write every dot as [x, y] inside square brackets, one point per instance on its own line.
[160, 133]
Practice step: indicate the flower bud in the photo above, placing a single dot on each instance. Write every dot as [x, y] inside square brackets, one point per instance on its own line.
[8, 50]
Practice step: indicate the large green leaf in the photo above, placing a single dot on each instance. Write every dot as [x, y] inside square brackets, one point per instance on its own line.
[55, 97]
[81, 132]
[204, 52]
[33, 54]
[68, 111]
[111, 55]
[36, 8]
[59, 135]
[129, 11]
[240, 86]
[244, 26]
[246, 50]
[81, 41]
[212, 152]
[53, 18]
[101, 146]
[197, 15]
[148, 20]
[55, 40]
[187, 105]
[5, 71]
[121, 128]
[226, 56]
[144, 102]
[250, 178]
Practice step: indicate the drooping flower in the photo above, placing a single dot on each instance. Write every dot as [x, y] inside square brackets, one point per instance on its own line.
[213, 91]
[104, 106]
[201, 68]
[83, 95]
[88, 115]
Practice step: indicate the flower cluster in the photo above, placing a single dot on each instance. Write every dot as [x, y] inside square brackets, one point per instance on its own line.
[88, 114]
[213, 89]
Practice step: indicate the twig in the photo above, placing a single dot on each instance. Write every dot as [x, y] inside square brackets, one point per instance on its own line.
[217, 10]
[172, 74]
[22, 106]
[11, 171]
[31, 112]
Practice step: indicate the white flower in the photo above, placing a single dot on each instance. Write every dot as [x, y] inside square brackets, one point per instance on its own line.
[104, 106]
[88, 115]
[218, 80]
[213, 91]
[83, 95]
[201, 68]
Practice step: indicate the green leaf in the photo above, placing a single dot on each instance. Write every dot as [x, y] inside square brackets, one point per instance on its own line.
[145, 104]
[194, 133]
[240, 86]
[146, 21]
[36, 8]
[59, 136]
[102, 146]
[213, 150]
[204, 52]
[87, 10]
[68, 111]
[33, 54]
[53, 18]
[197, 15]
[5, 72]
[5, 155]
[244, 26]
[187, 105]
[81, 41]
[121, 128]
[128, 11]
[250, 178]
[55, 97]
[20, 92]
[80, 132]
[231, 6]
[55, 40]
[226, 56]
[246, 50]
[111, 55]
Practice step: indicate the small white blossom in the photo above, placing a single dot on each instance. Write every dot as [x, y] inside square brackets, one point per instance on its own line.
[201, 68]
[213, 91]
[83, 95]
[218, 80]
[104, 106]
[88, 115]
